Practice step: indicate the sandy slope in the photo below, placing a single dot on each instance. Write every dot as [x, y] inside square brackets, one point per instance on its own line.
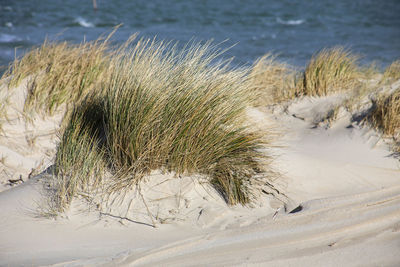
[359, 229]
[343, 178]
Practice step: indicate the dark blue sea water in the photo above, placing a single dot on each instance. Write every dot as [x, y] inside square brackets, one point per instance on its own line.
[294, 29]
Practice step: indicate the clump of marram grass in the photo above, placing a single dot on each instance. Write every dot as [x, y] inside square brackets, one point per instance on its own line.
[162, 108]
[79, 161]
[273, 80]
[329, 71]
[4, 102]
[392, 73]
[59, 73]
[385, 114]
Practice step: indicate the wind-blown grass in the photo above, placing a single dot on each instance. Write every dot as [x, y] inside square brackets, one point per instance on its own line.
[329, 71]
[162, 108]
[392, 73]
[79, 159]
[385, 115]
[59, 73]
[273, 80]
[4, 101]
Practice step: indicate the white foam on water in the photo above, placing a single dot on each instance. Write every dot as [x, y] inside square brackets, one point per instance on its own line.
[84, 23]
[290, 22]
[7, 38]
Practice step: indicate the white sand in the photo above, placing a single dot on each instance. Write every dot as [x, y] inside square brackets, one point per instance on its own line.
[344, 178]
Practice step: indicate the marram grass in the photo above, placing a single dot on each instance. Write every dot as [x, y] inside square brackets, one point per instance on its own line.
[149, 105]
[162, 108]
[386, 114]
[273, 80]
[79, 161]
[392, 73]
[331, 70]
[59, 73]
[4, 103]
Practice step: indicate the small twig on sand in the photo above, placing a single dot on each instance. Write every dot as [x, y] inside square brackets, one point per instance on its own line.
[200, 212]
[276, 213]
[124, 218]
[148, 210]
[129, 207]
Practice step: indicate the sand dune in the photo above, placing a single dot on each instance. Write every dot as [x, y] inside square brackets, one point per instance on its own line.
[337, 203]
[353, 230]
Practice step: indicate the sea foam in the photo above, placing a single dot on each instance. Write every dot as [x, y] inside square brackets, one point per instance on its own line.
[290, 22]
[84, 23]
[8, 38]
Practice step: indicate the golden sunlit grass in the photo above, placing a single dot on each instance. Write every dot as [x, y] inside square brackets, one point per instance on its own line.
[392, 73]
[273, 80]
[332, 71]
[59, 73]
[329, 71]
[386, 113]
[4, 101]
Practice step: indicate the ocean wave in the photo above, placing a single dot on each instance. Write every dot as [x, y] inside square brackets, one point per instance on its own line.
[84, 23]
[290, 22]
[8, 38]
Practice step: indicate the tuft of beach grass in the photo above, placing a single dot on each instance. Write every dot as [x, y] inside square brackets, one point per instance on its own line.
[392, 72]
[59, 73]
[385, 115]
[79, 165]
[273, 80]
[329, 71]
[160, 107]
